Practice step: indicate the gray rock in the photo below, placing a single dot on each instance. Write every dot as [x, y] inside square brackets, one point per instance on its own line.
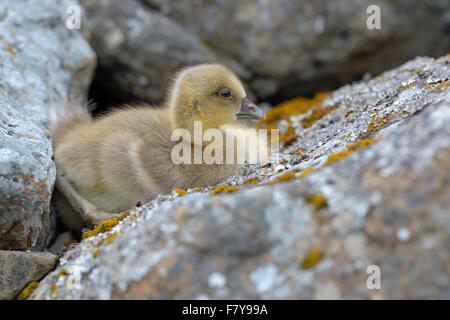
[40, 61]
[281, 48]
[377, 197]
[139, 49]
[19, 268]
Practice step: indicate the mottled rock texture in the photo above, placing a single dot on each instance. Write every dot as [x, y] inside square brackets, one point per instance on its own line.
[18, 268]
[40, 61]
[280, 48]
[365, 184]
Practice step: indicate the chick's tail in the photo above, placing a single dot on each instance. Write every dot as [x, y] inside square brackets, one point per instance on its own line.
[67, 115]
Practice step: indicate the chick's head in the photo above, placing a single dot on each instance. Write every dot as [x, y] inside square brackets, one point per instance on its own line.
[209, 93]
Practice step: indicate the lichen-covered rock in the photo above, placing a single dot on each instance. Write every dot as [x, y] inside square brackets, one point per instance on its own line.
[281, 48]
[363, 186]
[40, 61]
[18, 268]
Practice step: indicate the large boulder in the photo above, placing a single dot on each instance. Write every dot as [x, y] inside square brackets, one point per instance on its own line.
[40, 61]
[359, 194]
[138, 49]
[280, 48]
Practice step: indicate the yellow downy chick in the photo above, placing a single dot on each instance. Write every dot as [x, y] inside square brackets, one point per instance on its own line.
[108, 165]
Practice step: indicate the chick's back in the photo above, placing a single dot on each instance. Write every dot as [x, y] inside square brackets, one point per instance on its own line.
[120, 158]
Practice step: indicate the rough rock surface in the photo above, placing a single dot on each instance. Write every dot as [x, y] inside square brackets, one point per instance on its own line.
[39, 61]
[280, 48]
[17, 268]
[366, 184]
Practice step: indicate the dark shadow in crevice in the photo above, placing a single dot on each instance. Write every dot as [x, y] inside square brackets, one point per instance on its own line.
[105, 94]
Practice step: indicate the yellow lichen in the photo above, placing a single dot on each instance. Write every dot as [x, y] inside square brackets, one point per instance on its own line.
[251, 181]
[53, 289]
[180, 192]
[313, 108]
[378, 122]
[105, 226]
[133, 215]
[287, 176]
[197, 189]
[286, 110]
[306, 171]
[336, 156]
[27, 290]
[10, 49]
[318, 200]
[312, 258]
[220, 188]
[109, 238]
[438, 85]
[352, 147]
[96, 252]
[62, 272]
[318, 112]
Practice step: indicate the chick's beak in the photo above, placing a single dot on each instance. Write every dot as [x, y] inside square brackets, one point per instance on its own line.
[249, 110]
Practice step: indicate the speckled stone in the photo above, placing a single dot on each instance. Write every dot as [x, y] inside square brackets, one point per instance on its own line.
[18, 268]
[40, 61]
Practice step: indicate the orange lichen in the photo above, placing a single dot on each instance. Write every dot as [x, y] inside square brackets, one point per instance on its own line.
[312, 108]
[180, 192]
[318, 200]
[318, 112]
[105, 226]
[251, 181]
[297, 152]
[306, 171]
[352, 147]
[288, 136]
[287, 176]
[286, 110]
[360, 143]
[312, 258]
[27, 290]
[221, 188]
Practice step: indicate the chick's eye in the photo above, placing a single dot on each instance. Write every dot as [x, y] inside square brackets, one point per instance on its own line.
[225, 93]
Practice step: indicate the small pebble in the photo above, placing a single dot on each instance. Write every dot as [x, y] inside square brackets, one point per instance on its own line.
[403, 234]
[217, 280]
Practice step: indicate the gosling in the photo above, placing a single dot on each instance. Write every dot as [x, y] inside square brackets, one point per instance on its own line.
[106, 166]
